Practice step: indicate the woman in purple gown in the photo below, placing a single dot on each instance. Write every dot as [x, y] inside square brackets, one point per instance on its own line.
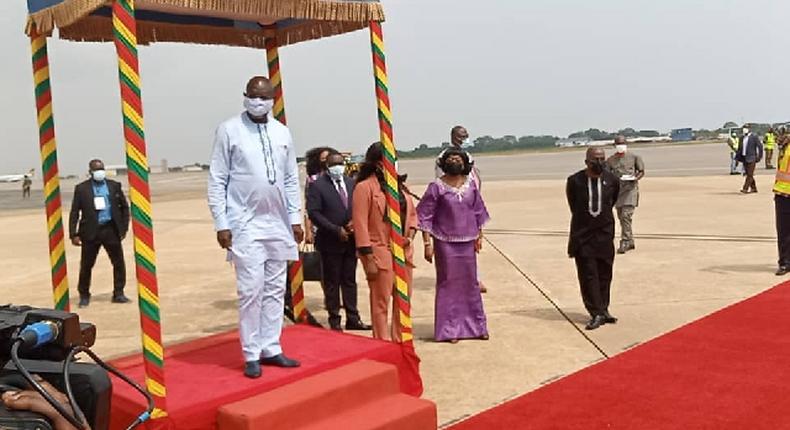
[452, 215]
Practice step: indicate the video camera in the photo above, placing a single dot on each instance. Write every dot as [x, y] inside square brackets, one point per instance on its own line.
[68, 330]
[44, 342]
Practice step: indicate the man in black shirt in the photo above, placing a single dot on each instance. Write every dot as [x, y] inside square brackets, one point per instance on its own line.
[592, 193]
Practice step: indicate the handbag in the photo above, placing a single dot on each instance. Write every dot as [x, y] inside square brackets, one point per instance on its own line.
[311, 263]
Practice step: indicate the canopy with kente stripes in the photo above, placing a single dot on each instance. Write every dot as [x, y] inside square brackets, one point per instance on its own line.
[245, 23]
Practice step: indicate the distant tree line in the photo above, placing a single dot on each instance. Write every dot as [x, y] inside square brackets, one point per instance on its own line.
[507, 143]
[485, 144]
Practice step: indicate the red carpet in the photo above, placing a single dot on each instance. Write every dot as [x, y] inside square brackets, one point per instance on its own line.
[729, 370]
[205, 374]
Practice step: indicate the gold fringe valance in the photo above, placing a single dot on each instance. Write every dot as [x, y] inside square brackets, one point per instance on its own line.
[99, 29]
[62, 14]
[341, 12]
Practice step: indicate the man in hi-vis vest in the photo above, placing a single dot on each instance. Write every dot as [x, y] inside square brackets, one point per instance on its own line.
[782, 203]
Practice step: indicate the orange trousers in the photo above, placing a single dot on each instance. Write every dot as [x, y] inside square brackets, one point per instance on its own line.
[382, 293]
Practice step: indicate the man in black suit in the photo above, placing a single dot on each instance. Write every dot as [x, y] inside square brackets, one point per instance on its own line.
[591, 195]
[329, 208]
[750, 152]
[99, 218]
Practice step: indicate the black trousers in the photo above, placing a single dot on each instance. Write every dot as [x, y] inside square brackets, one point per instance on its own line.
[749, 183]
[595, 280]
[782, 205]
[108, 238]
[340, 277]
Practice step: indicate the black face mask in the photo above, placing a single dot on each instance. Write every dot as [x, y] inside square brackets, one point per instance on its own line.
[596, 166]
[454, 169]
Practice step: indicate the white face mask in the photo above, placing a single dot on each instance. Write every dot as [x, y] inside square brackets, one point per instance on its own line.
[336, 172]
[620, 148]
[466, 143]
[745, 131]
[258, 108]
[98, 175]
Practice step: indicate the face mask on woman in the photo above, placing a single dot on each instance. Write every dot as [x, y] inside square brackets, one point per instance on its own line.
[454, 169]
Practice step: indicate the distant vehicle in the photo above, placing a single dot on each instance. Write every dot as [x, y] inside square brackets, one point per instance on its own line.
[682, 135]
[18, 178]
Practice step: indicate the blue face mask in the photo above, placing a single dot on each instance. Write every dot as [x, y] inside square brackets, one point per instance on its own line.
[336, 172]
[98, 175]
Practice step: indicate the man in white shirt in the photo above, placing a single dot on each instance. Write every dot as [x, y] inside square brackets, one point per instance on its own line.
[254, 197]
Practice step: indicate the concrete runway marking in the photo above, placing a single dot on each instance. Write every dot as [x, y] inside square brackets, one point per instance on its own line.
[647, 236]
[546, 296]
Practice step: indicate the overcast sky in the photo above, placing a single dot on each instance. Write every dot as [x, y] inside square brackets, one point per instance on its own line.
[497, 66]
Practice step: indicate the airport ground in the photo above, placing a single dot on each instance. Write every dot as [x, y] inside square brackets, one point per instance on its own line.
[701, 246]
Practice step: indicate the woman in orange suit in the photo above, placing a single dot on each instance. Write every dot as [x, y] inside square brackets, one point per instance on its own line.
[372, 235]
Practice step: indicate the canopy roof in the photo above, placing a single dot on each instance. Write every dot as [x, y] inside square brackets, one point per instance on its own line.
[213, 22]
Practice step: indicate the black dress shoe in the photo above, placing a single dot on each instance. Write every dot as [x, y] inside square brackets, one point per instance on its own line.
[335, 327]
[120, 299]
[358, 325]
[84, 302]
[252, 369]
[279, 360]
[622, 249]
[595, 322]
[609, 319]
[783, 270]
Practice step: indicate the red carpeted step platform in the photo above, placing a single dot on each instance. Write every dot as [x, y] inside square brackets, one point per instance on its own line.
[205, 374]
[363, 395]
[729, 370]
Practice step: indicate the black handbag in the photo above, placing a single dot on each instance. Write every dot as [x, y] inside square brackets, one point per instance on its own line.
[311, 264]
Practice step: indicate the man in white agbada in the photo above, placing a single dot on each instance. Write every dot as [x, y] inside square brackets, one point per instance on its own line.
[254, 197]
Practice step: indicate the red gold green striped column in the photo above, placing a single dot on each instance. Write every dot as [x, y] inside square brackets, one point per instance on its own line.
[295, 269]
[125, 31]
[391, 180]
[49, 171]
[273, 61]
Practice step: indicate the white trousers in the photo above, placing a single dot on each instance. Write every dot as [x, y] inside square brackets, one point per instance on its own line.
[260, 283]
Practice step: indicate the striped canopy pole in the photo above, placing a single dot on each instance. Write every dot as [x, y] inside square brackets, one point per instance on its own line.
[273, 61]
[125, 32]
[49, 170]
[391, 180]
[295, 269]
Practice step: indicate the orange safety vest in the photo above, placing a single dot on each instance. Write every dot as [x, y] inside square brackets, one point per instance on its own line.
[782, 183]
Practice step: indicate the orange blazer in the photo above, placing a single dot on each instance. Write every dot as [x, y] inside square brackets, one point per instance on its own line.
[371, 228]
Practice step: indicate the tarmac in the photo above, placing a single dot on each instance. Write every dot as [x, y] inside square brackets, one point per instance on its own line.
[701, 246]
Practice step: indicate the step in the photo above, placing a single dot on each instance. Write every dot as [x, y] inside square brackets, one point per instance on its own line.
[395, 412]
[313, 398]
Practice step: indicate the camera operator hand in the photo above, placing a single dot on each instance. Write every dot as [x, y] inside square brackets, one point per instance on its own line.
[32, 401]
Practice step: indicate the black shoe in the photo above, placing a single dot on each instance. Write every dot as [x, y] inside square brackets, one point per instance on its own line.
[595, 322]
[783, 270]
[84, 302]
[622, 249]
[279, 360]
[358, 325]
[252, 369]
[335, 327]
[608, 319]
[631, 246]
[120, 299]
